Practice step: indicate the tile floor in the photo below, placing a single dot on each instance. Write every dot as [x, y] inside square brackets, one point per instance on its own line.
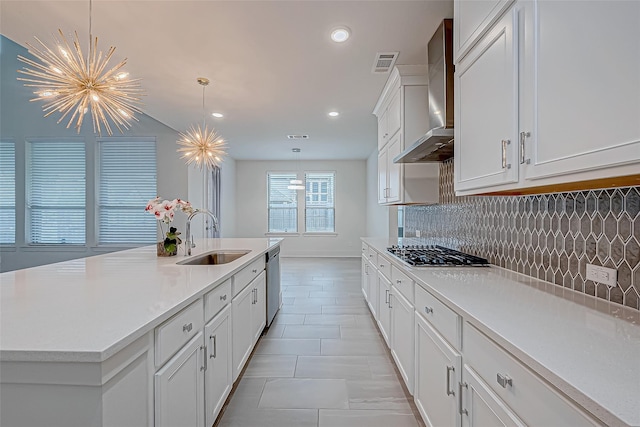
[322, 363]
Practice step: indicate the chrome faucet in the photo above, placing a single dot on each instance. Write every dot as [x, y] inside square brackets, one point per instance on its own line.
[189, 239]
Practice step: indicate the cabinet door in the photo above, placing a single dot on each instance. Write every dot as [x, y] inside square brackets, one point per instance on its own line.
[402, 338]
[242, 328]
[582, 115]
[179, 388]
[365, 278]
[382, 176]
[486, 107]
[438, 369]
[393, 115]
[218, 378]
[382, 130]
[394, 170]
[259, 307]
[373, 291]
[384, 312]
[481, 407]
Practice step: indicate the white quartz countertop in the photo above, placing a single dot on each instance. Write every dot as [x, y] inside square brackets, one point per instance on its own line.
[586, 347]
[85, 310]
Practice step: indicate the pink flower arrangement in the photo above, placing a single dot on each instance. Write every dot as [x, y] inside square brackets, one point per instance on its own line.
[164, 210]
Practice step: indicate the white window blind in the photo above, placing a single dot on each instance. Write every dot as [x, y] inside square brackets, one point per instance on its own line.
[56, 190]
[283, 204]
[127, 181]
[7, 192]
[319, 199]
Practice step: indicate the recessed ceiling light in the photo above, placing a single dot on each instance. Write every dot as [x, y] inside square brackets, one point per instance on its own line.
[217, 115]
[334, 114]
[340, 34]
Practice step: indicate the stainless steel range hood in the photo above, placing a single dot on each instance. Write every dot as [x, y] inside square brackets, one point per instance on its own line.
[437, 144]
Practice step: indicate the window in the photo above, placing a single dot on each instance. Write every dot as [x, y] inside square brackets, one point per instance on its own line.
[319, 202]
[7, 192]
[283, 203]
[126, 182]
[56, 212]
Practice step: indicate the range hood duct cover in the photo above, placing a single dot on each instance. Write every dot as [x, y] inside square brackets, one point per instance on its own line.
[437, 144]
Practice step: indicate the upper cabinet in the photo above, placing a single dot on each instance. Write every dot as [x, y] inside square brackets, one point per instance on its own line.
[549, 94]
[403, 116]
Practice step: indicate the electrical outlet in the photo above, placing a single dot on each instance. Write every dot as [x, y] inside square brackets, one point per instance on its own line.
[417, 233]
[605, 275]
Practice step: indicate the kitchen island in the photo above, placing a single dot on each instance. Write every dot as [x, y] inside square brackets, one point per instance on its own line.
[79, 340]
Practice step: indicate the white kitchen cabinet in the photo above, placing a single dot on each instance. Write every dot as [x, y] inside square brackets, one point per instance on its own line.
[179, 387]
[401, 334]
[384, 310]
[481, 407]
[486, 107]
[522, 121]
[437, 374]
[403, 117]
[218, 378]
[259, 306]
[365, 278]
[374, 292]
[241, 321]
[473, 18]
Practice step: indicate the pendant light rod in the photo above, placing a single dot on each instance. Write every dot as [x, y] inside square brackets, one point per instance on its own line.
[204, 82]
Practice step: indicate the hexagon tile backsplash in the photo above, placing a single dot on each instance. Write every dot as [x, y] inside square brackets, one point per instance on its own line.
[549, 236]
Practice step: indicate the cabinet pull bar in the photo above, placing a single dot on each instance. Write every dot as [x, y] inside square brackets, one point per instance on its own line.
[462, 410]
[450, 392]
[505, 165]
[204, 357]
[223, 297]
[386, 296]
[390, 295]
[428, 310]
[187, 328]
[523, 136]
[215, 350]
[504, 380]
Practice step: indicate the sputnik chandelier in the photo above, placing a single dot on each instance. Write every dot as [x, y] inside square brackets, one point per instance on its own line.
[71, 84]
[201, 145]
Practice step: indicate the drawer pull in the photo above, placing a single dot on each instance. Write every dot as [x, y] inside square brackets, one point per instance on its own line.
[215, 350]
[504, 380]
[204, 357]
[255, 270]
[390, 295]
[187, 328]
[386, 296]
[398, 281]
[428, 310]
[223, 297]
[450, 392]
[462, 410]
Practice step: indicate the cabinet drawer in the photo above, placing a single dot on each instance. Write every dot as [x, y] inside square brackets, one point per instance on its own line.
[523, 391]
[365, 249]
[175, 332]
[373, 257]
[215, 300]
[443, 319]
[247, 274]
[384, 266]
[402, 282]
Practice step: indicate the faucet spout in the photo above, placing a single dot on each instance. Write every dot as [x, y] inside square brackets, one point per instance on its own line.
[189, 239]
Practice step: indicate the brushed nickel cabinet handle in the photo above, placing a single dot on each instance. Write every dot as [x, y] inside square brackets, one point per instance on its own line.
[187, 328]
[450, 392]
[428, 310]
[504, 380]
[505, 165]
[462, 410]
[523, 136]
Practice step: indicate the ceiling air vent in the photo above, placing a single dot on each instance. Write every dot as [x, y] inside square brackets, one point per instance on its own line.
[384, 62]
[298, 136]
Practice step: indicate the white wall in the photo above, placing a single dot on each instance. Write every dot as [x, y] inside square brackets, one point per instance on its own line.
[377, 215]
[350, 199]
[228, 202]
[21, 119]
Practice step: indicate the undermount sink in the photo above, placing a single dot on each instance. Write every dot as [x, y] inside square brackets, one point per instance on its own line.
[215, 258]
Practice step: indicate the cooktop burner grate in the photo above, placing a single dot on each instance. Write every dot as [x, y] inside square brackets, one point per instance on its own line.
[434, 255]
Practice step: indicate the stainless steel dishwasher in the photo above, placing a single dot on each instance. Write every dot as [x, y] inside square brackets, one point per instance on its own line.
[273, 283]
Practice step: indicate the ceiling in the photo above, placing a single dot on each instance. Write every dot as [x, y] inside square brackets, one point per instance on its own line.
[274, 70]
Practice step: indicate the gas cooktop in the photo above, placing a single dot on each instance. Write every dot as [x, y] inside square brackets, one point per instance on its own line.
[435, 256]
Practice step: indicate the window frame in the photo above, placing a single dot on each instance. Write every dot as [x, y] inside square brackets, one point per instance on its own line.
[27, 195]
[297, 208]
[7, 245]
[319, 192]
[98, 208]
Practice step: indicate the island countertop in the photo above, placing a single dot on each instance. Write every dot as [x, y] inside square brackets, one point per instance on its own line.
[86, 310]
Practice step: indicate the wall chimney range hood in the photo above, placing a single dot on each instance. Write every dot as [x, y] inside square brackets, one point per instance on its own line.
[437, 144]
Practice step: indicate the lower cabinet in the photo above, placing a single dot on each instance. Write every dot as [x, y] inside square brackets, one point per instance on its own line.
[242, 328]
[401, 334]
[218, 377]
[438, 369]
[365, 278]
[259, 306]
[384, 308]
[179, 387]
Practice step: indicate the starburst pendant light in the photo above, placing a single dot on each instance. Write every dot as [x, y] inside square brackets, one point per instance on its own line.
[73, 85]
[201, 145]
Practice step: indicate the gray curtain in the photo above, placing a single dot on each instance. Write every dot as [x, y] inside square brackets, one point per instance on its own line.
[215, 188]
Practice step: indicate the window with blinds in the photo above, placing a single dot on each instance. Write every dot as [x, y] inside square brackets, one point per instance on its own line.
[56, 187]
[319, 202]
[7, 192]
[126, 182]
[283, 203]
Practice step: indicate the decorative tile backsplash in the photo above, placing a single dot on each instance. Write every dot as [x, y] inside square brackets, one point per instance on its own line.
[550, 236]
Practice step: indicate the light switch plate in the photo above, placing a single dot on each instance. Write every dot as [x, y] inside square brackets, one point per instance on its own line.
[417, 233]
[605, 275]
